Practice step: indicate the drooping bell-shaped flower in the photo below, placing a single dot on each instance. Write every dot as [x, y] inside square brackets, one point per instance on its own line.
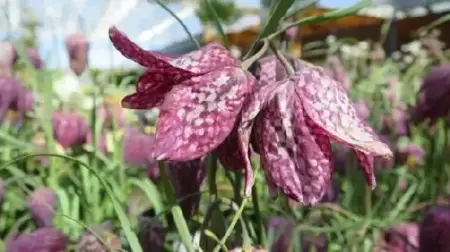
[295, 118]
[8, 56]
[336, 70]
[34, 57]
[89, 240]
[77, 47]
[434, 230]
[42, 205]
[151, 234]
[432, 100]
[187, 178]
[46, 239]
[199, 94]
[402, 237]
[69, 129]
[14, 96]
[137, 150]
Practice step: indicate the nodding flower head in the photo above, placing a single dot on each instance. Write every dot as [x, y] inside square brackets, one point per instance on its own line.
[77, 47]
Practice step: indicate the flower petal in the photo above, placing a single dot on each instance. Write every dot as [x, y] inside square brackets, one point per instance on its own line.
[295, 159]
[366, 161]
[155, 62]
[211, 57]
[328, 106]
[199, 114]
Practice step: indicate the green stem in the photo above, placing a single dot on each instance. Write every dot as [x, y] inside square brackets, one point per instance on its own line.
[177, 213]
[191, 37]
[212, 170]
[233, 223]
[262, 239]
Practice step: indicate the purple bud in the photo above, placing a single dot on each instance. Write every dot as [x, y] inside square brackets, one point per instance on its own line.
[77, 46]
[187, 178]
[138, 148]
[69, 129]
[151, 234]
[432, 100]
[42, 204]
[34, 57]
[402, 237]
[362, 109]
[90, 243]
[46, 239]
[434, 230]
[12, 96]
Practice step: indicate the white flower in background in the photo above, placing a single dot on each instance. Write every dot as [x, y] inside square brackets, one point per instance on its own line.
[346, 51]
[71, 88]
[396, 55]
[408, 59]
[179, 246]
[235, 52]
[331, 39]
[363, 45]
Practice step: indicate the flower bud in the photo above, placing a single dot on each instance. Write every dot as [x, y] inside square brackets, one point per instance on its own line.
[46, 239]
[77, 47]
[42, 205]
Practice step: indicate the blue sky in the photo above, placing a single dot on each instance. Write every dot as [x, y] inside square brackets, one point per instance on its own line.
[60, 18]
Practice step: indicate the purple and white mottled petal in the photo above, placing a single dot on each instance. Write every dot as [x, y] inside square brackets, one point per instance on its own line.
[209, 58]
[155, 62]
[295, 159]
[199, 114]
[367, 163]
[229, 153]
[328, 106]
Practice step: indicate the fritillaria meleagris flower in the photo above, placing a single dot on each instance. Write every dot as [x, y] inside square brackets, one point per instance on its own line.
[432, 100]
[137, 150]
[8, 56]
[295, 118]
[199, 95]
[46, 239]
[151, 234]
[77, 47]
[42, 205]
[34, 57]
[403, 237]
[337, 71]
[89, 241]
[187, 178]
[434, 234]
[14, 96]
[362, 110]
[69, 129]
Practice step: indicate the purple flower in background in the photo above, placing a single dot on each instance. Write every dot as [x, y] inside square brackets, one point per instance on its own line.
[362, 110]
[42, 204]
[187, 178]
[69, 129]
[200, 96]
[412, 154]
[77, 47]
[432, 100]
[435, 230]
[402, 238]
[34, 57]
[296, 117]
[8, 56]
[89, 241]
[336, 70]
[46, 239]
[14, 96]
[151, 234]
[137, 150]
